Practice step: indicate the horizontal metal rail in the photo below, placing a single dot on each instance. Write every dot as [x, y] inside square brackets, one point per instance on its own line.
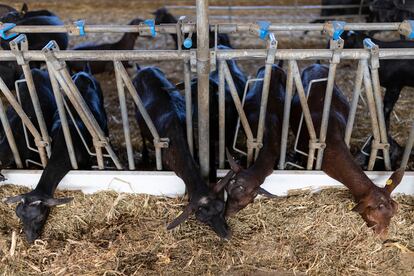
[269, 7]
[190, 27]
[170, 55]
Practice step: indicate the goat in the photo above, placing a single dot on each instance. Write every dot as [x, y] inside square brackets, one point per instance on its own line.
[374, 204]
[163, 16]
[127, 42]
[48, 107]
[394, 75]
[243, 185]
[166, 108]
[391, 10]
[34, 207]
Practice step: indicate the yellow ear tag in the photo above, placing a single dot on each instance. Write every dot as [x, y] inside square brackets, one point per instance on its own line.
[389, 182]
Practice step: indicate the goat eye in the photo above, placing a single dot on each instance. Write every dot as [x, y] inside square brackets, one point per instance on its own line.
[241, 188]
[381, 206]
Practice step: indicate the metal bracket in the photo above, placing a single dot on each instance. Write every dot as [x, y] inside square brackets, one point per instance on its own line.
[188, 42]
[334, 29]
[374, 49]
[263, 30]
[151, 23]
[254, 144]
[162, 143]
[406, 28]
[271, 49]
[337, 46]
[18, 52]
[77, 28]
[4, 28]
[193, 61]
[48, 51]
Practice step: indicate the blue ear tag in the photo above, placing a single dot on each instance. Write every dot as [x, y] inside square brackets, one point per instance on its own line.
[264, 29]
[80, 24]
[188, 43]
[7, 27]
[151, 24]
[338, 29]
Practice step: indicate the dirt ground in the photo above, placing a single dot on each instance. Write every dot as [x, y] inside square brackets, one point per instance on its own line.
[110, 234]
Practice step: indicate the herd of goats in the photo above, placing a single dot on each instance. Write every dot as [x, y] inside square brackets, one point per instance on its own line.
[166, 106]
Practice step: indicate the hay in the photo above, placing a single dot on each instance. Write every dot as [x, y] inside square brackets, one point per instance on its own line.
[113, 234]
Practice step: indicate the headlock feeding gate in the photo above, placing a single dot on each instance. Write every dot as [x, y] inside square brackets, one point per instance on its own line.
[202, 61]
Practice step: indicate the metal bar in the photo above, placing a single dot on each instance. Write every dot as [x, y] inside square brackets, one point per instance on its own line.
[373, 112]
[286, 116]
[169, 55]
[36, 105]
[9, 135]
[270, 60]
[203, 70]
[99, 155]
[26, 120]
[138, 102]
[380, 115]
[124, 114]
[223, 28]
[335, 46]
[408, 148]
[188, 106]
[354, 104]
[222, 115]
[306, 113]
[62, 116]
[72, 92]
[269, 7]
[240, 111]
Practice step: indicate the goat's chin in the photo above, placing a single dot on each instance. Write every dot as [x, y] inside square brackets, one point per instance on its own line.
[381, 231]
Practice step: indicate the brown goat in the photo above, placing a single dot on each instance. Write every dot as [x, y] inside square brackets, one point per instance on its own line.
[374, 204]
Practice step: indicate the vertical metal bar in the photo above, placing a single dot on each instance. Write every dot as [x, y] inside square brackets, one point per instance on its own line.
[240, 111]
[36, 105]
[270, 60]
[9, 135]
[286, 116]
[99, 155]
[203, 70]
[138, 102]
[222, 112]
[25, 120]
[306, 113]
[380, 115]
[373, 113]
[354, 104]
[62, 116]
[188, 106]
[326, 112]
[408, 148]
[124, 114]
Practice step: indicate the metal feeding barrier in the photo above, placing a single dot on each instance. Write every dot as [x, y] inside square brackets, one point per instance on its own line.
[202, 61]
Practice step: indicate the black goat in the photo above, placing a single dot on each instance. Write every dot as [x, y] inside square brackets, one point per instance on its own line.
[48, 107]
[127, 42]
[341, 11]
[166, 108]
[34, 207]
[163, 16]
[243, 185]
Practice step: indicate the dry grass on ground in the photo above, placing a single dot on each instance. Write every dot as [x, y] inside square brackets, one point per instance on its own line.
[111, 234]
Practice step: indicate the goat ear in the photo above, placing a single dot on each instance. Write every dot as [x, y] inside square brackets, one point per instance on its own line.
[266, 193]
[24, 9]
[13, 199]
[234, 166]
[51, 202]
[182, 217]
[394, 180]
[359, 208]
[223, 182]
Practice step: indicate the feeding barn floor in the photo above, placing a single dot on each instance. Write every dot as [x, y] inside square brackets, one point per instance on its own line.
[111, 234]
